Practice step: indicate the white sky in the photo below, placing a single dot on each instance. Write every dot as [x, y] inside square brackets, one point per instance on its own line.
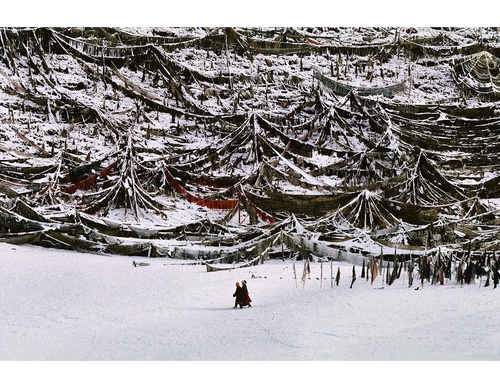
[257, 13]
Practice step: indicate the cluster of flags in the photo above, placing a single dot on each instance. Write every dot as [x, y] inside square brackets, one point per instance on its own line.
[434, 270]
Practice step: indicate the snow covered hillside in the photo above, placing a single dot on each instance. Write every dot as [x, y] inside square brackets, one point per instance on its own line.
[223, 143]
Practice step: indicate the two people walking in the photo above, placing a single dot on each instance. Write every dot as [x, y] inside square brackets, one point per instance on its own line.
[241, 294]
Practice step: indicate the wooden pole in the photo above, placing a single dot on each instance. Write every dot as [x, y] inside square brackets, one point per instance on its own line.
[295, 275]
[404, 269]
[304, 275]
[239, 208]
[331, 274]
[282, 247]
[382, 265]
[321, 275]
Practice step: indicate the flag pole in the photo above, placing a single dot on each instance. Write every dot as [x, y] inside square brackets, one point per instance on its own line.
[331, 274]
[404, 269]
[295, 274]
[321, 277]
[382, 265]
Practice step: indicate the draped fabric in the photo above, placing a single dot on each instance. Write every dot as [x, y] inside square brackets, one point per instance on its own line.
[479, 72]
[90, 181]
[82, 184]
[209, 183]
[108, 170]
[261, 214]
[345, 89]
[77, 172]
[213, 204]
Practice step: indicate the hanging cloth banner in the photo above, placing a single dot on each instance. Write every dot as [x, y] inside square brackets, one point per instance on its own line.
[90, 181]
[213, 204]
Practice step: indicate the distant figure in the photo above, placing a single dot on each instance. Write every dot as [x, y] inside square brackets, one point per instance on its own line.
[240, 297]
[245, 292]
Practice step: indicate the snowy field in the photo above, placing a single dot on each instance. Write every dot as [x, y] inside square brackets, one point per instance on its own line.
[68, 306]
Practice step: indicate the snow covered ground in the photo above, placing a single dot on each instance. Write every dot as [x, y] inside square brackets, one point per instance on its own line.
[67, 306]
